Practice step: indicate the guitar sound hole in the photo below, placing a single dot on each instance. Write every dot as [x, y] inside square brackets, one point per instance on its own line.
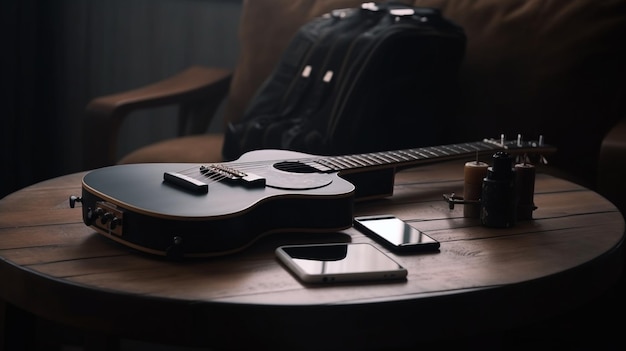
[294, 167]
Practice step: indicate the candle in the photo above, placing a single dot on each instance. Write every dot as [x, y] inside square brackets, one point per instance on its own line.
[474, 173]
[525, 190]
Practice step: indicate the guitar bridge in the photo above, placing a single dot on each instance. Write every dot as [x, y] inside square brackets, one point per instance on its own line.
[249, 180]
[186, 182]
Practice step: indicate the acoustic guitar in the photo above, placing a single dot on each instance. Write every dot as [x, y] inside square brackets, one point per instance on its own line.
[190, 210]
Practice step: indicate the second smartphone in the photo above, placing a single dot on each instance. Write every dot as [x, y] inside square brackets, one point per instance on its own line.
[395, 234]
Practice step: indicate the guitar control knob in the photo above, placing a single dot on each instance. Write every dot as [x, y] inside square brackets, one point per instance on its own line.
[93, 215]
[115, 222]
[108, 216]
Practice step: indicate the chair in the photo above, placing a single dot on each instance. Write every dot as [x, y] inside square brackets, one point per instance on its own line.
[531, 67]
[198, 92]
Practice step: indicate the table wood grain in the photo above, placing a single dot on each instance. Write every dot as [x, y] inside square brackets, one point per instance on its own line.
[55, 267]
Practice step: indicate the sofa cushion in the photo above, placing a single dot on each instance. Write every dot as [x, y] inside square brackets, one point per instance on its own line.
[542, 67]
[189, 149]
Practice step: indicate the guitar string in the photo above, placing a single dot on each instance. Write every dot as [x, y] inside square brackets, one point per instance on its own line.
[371, 159]
[213, 176]
[195, 173]
[335, 163]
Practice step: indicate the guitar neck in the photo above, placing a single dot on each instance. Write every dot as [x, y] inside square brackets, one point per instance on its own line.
[251, 171]
[416, 156]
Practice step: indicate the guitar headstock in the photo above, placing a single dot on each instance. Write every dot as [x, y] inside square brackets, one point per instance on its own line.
[526, 151]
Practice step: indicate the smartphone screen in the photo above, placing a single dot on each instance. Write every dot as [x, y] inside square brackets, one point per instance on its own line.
[395, 234]
[326, 263]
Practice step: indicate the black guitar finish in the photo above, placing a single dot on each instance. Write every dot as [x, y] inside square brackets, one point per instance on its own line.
[189, 210]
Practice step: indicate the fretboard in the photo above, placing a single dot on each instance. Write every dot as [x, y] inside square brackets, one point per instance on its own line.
[412, 157]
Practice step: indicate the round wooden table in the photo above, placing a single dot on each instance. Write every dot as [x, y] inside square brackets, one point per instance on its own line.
[482, 280]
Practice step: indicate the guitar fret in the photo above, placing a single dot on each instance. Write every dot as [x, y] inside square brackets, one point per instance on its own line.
[326, 162]
[320, 165]
[379, 158]
[349, 161]
[488, 146]
[341, 163]
[399, 155]
[372, 159]
[391, 158]
[364, 160]
[421, 154]
[388, 158]
[437, 149]
[415, 154]
[436, 153]
[451, 149]
[468, 147]
[354, 161]
[431, 152]
[407, 155]
[472, 147]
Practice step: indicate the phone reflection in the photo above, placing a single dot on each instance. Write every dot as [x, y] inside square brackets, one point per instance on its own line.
[396, 231]
[340, 259]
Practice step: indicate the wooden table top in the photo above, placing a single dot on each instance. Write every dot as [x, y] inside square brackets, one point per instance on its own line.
[54, 266]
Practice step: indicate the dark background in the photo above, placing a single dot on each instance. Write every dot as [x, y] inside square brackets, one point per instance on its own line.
[58, 55]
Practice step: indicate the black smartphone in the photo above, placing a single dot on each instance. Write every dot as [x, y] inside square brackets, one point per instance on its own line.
[395, 234]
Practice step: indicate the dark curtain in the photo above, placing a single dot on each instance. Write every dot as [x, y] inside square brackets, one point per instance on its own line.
[57, 55]
[29, 122]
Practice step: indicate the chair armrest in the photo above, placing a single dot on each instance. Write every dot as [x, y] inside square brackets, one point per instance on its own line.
[197, 90]
[612, 166]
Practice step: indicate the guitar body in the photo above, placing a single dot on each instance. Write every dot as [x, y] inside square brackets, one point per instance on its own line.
[187, 210]
[138, 209]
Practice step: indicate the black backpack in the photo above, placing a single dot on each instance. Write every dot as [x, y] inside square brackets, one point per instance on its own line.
[375, 78]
